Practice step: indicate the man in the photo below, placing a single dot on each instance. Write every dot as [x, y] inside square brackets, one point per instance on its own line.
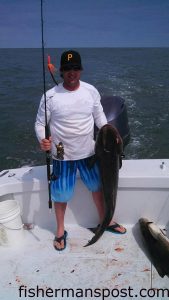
[72, 109]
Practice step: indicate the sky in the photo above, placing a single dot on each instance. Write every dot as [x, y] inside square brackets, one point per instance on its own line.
[84, 23]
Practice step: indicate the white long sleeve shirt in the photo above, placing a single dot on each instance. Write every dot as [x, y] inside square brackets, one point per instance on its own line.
[71, 116]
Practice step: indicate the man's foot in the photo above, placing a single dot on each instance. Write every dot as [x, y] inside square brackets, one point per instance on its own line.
[59, 243]
[114, 228]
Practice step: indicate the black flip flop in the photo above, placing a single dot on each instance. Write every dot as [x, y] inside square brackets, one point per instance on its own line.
[59, 240]
[113, 228]
[110, 228]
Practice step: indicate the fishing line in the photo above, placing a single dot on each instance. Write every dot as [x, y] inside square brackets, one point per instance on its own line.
[54, 80]
[46, 120]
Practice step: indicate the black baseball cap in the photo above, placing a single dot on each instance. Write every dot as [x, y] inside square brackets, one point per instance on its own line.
[70, 59]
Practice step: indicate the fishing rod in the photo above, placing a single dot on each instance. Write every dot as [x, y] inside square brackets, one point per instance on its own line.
[46, 121]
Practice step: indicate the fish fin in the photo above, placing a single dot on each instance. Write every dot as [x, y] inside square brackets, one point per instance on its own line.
[121, 156]
[98, 234]
[120, 162]
[88, 244]
[99, 231]
[92, 241]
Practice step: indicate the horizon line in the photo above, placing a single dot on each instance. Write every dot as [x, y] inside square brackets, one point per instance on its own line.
[85, 47]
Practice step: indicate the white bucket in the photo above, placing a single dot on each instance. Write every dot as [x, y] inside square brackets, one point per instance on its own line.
[11, 227]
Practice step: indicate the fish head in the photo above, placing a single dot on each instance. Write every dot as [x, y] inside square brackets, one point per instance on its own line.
[143, 223]
[108, 140]
[145, 226]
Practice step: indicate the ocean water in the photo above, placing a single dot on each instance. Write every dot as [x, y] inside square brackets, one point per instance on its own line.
[139, 75]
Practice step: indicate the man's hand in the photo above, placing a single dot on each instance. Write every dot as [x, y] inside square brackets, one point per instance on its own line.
[46, 144]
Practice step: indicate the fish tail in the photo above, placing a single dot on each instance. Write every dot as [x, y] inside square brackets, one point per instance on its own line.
[99, 231]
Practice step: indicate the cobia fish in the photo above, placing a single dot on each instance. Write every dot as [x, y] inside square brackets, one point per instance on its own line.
[108, 152]
[157, 245]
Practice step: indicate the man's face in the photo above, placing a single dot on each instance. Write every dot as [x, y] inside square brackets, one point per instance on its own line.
[71, 78]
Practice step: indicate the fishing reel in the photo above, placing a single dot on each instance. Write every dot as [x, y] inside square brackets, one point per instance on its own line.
[60, 151]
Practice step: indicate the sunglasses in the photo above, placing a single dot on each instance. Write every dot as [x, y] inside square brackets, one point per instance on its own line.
[68, 68]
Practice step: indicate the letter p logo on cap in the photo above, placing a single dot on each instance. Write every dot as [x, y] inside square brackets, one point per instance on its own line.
[69, 56]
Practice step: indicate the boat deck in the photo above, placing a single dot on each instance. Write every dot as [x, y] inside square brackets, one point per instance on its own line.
[114, 267]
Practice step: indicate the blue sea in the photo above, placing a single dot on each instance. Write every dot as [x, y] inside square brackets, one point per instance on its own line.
[139, 75]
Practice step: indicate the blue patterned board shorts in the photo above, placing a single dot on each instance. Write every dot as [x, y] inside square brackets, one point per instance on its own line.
[64, 178]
